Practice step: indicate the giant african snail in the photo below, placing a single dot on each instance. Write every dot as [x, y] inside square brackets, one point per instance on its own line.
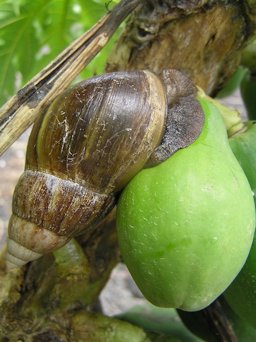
[85, 148]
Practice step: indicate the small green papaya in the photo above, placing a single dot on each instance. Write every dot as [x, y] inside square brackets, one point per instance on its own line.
[230, 323]
[185, 227]
[241, 294]
[248, 91]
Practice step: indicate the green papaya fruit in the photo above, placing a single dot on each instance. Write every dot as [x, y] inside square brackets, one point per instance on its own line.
[185, 227]
[248, 91]
[198, 323]
[241, 294]
[233, 83]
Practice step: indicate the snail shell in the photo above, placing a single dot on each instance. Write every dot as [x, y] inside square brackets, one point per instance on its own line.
[82, 151]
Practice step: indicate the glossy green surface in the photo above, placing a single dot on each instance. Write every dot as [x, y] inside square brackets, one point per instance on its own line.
[185, 227]
[241, 295]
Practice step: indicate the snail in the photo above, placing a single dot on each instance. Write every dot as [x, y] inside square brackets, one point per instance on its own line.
[87, 145]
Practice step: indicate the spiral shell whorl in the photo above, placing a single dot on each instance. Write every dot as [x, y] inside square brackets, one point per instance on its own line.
[52, 211]
[18, 255]
[59, 205]
[27, 242]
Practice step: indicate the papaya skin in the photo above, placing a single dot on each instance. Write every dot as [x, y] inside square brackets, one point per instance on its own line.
[185, 227]
[241, 295]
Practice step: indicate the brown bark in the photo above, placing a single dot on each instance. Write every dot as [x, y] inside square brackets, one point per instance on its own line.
[202, 38]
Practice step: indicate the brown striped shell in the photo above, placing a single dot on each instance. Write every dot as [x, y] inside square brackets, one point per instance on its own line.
[82, 151]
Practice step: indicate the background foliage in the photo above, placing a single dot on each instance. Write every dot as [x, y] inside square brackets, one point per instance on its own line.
[32, 33]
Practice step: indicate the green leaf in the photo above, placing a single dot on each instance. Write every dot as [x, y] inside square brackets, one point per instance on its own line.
[18, 44]
[32, 33]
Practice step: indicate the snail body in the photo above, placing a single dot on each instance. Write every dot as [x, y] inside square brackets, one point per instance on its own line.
[82, 150]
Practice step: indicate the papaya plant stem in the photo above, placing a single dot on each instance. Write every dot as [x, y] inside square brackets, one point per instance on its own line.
[22, 109]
